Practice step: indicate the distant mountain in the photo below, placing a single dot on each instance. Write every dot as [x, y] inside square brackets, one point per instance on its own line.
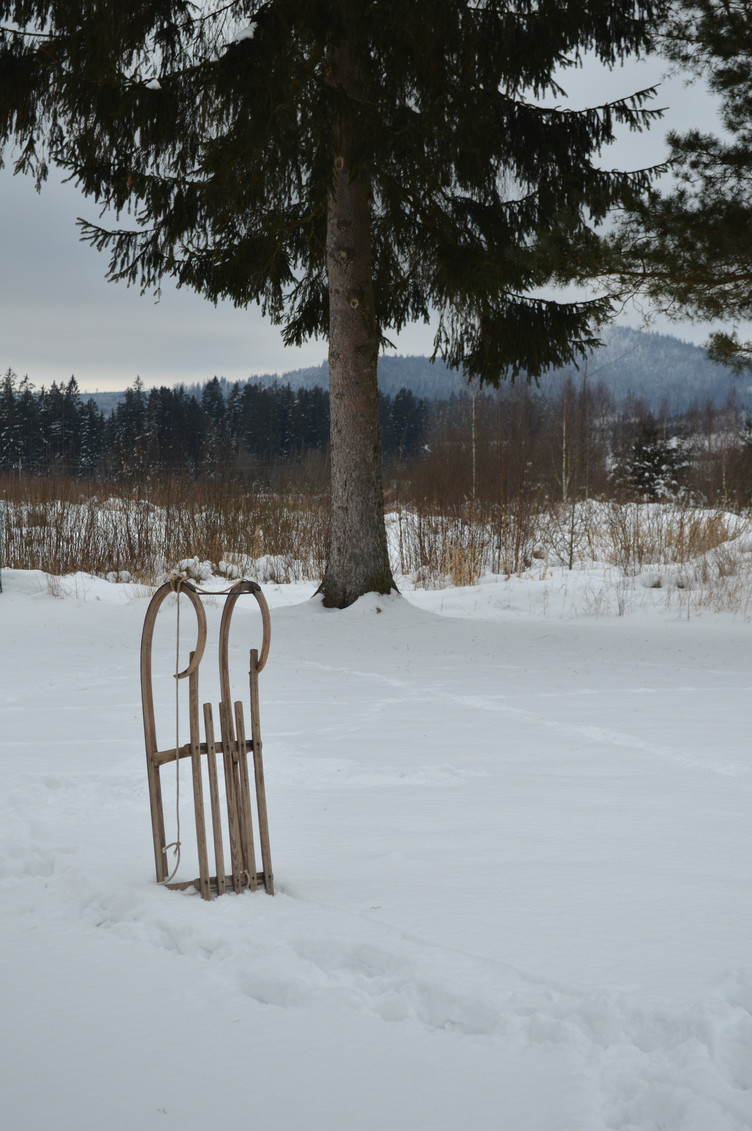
[105, 402]
[660, 367]
[419, 374]
[656, 367]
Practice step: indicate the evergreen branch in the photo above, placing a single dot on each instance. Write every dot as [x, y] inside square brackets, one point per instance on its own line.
[28, 34]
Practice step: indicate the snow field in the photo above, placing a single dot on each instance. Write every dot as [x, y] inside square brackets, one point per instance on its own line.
[511, 845]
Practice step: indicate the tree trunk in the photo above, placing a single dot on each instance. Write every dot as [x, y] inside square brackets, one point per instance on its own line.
[357, 561]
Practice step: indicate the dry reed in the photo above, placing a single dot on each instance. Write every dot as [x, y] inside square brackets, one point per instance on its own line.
[103, 529]
[278, 533]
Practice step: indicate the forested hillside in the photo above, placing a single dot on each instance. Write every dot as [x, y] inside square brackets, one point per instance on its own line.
[655, 367]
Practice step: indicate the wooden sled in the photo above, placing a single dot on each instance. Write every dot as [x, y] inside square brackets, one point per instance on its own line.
[233, 746]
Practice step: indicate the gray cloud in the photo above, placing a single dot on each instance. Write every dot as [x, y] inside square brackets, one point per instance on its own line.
[59, 316]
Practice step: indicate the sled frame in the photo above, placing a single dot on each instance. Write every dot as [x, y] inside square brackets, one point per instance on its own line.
[234, 747]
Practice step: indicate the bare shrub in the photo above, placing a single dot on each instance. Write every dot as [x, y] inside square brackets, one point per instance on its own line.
[719, 581]
[636, 535]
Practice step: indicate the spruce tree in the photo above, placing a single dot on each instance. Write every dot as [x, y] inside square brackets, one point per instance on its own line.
[690, 248]
[351, 166]
[11, 434]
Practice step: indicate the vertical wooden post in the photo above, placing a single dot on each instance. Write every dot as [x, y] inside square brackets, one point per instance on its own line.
[258, 767]
[211, 759]
[228, 748]
[244, 801]
[157, 819]
[198, 790]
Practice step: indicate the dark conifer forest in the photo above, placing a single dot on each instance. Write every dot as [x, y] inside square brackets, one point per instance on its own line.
[168, 430]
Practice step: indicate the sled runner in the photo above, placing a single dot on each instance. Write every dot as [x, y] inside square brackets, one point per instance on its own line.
[233, 745]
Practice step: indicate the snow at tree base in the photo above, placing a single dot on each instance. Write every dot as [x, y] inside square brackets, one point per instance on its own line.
[511, 840]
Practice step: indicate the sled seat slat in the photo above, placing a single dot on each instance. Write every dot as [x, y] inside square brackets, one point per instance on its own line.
[183, 885]
[162, 757]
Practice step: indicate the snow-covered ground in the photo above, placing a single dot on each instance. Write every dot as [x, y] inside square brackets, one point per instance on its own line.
[511, 839]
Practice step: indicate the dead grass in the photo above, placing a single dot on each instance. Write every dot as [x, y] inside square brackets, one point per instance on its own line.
[461, 544]
[101, 529]
[62, 526]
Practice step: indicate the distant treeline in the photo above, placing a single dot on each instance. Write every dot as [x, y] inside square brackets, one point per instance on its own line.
[499, 447]
[171, 430]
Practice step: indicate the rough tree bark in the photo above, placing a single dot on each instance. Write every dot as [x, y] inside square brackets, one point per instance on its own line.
[357, 561]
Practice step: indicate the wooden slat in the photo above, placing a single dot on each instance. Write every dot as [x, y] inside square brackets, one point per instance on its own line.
[198, 789]
[244, 799]
[266, 638]
[157, 820]
[183, 885]
[150, 735]
[211, 759]
[162, 757]
[258, 767]
[224, 661]
[230, 790]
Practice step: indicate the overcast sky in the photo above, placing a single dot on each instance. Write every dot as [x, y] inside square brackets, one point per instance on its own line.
[58, 315]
